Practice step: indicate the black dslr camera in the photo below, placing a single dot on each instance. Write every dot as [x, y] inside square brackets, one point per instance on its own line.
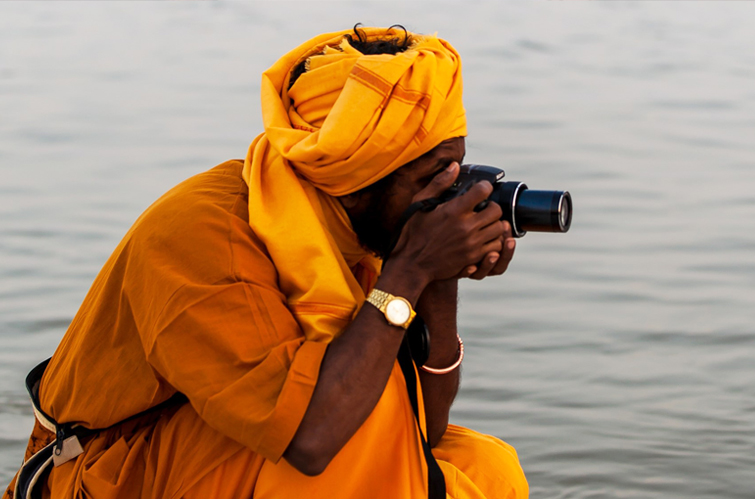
[525, 209]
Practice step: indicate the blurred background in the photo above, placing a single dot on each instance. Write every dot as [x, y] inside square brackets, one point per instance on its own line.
[617, 358]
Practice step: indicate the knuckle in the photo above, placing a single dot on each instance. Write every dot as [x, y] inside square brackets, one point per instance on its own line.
[479, 188]
[495, 209]
[486, 187]
[442, 178]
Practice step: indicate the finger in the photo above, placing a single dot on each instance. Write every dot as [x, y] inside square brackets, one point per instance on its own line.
[487, 264]
[439, 184]
[467, 271]
[507, 232]
[490, 247]
[509, 246]
[476, 194]
[491, 214]
[493, 232]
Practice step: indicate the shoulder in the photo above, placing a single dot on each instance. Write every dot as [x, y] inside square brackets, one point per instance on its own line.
[198, 231]
[218, 192]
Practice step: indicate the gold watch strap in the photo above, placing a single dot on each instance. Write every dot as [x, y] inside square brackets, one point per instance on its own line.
[380, 299]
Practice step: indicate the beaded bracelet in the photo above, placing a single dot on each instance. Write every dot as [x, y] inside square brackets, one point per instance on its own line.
[450, 368]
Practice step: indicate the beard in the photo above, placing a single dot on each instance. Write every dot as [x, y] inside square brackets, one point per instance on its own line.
[373, 226]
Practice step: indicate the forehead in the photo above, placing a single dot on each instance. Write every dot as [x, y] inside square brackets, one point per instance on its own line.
[441, 155]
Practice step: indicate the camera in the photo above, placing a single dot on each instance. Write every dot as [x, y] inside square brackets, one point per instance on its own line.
[525, 209]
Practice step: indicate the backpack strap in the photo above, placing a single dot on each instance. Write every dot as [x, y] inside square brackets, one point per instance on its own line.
[33, 380]
[33, 474]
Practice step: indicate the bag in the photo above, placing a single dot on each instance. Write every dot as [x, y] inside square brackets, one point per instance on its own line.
[69, 439]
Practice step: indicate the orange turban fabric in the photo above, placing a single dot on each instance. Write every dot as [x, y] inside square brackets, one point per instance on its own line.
[348, 121]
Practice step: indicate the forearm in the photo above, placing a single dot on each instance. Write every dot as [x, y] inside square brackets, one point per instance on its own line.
[353, 375]
[438, 308]
[433, 247]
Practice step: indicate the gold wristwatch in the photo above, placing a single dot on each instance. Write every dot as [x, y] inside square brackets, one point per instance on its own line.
[398, 311]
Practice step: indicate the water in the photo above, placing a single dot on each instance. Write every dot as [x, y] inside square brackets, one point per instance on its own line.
[616, 358]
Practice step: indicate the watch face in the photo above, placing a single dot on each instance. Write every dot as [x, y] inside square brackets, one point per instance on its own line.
[397, 311]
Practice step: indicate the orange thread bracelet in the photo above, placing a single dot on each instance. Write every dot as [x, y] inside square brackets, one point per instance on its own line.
[450, 368]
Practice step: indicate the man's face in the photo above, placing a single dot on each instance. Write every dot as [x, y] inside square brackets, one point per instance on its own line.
[375, 212]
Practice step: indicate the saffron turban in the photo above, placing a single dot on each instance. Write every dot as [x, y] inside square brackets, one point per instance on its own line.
[348, 121]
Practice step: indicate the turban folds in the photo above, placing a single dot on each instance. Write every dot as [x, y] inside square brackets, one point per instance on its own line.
[348, 121]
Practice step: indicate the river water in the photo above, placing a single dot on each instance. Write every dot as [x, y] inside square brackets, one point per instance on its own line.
[618, 358]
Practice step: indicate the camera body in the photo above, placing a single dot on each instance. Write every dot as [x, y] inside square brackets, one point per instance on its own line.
[525, 209]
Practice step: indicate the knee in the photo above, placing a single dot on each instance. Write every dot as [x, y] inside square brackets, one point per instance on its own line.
[489, 462]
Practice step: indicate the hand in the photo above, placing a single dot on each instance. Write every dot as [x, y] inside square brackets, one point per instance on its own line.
[447, 241]
[495, 263]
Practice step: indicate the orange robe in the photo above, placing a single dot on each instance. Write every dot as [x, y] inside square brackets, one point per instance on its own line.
[189, 302]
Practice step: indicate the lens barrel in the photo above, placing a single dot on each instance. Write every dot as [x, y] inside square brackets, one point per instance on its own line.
[529, 210]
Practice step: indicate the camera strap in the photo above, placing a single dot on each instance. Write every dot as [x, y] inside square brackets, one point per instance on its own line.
[436, 482]
[416, 346]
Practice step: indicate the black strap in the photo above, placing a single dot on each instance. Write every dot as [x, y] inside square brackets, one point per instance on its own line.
[33, 474]
[436, 483]
[32, 386]
[419, 338]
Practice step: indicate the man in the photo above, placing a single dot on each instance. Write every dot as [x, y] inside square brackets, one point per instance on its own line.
[271, 295]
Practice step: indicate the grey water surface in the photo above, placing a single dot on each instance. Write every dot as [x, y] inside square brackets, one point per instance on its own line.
[619, 359]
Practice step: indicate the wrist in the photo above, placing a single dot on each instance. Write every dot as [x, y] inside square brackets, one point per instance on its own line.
[438, 305]
[446, 290]
[444, 347]
[448, 367]
[402, 279]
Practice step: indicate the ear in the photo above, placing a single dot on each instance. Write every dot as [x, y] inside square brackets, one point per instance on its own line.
[352, 201]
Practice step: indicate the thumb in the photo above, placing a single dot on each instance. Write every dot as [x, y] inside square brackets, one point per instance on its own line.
[439, 184]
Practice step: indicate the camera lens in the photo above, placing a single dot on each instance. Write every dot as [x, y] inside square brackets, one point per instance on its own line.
[564, 217]
[544, 211]
[530, 210]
